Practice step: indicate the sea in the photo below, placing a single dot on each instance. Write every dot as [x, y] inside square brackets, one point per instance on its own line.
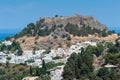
[8, 33]
[4, 35]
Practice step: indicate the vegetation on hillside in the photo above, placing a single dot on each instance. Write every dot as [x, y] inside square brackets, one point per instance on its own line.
[44, 70]
[85, 30]
[13, 72]
[42, 30]
[19, 71]
[113, 56]
[35, 30]
[80, 66]
[96, 50]
[15, 47]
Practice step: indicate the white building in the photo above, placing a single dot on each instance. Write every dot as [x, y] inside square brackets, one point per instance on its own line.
[2, 55]
[90, 43]
[7, 42]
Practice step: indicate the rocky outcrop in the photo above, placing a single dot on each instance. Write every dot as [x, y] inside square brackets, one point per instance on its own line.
[80, 20]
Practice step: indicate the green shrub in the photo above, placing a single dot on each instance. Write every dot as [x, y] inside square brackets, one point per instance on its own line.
[2, 72]
[57, 57]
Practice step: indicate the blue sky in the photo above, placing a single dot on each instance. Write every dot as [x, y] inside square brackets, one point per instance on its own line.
[16, 14]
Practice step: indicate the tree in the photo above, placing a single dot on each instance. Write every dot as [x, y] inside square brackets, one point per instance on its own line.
[117, 41]
[97, 50]
[7, 62]
[31, 71]
[112, 58]
[69, 69]
[47, 51]
[2, 47]
[7, 38]
[2, 72]
[68, 38]
[43, 64]
[85, 67]
[85, 30]
[38, 71]
[109, 45]
[67, 74]
[16, 47]
[43, 70]
[107, 74]
[100, 49]
[115, 48]
[34, 50]
[20, 51]
[56, 15]
[78, 66]
[103, 72]
[8, 58]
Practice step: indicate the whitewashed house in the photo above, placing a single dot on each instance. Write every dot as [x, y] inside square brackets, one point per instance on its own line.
[2, 55]
[7, 43]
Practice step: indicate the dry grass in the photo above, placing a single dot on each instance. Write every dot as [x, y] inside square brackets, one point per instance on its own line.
[43, 42]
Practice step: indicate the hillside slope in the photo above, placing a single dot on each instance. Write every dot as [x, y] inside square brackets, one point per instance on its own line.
[60, 32]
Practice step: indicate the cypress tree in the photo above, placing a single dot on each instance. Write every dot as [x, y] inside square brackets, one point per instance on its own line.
[31, 70]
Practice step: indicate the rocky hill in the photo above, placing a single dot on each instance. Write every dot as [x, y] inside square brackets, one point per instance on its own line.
[60, 31]
[75, 19]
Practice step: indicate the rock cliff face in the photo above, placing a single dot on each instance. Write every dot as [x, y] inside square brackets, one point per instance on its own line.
[60, 32]
[80, 20]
